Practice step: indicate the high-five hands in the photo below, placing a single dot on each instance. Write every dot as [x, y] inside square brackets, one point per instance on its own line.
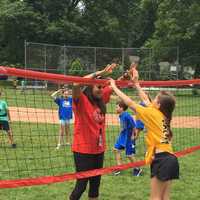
[109, 68]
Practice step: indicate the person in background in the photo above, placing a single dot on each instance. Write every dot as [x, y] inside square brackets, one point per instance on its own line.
[15, 83]
[64, 101]
[5, 121]
[126, 138]
[23, 85]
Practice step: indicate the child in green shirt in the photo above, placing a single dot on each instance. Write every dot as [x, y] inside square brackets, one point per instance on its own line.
[4, 121]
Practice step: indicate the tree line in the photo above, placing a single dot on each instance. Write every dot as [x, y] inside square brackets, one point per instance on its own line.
[124, 23]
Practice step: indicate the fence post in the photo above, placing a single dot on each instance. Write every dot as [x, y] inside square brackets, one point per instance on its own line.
[64, 63]
[45, 58]
[25, 62]
[95, 58]
[123, 58]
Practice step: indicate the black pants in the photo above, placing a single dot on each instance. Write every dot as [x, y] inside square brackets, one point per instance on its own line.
[84, 162]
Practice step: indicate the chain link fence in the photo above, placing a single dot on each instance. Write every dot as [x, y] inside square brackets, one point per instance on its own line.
[160, 64]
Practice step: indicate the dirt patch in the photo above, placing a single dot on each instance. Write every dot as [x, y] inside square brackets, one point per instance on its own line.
[37, 115]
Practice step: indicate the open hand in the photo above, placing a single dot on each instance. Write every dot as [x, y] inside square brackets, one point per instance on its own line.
[109, 68]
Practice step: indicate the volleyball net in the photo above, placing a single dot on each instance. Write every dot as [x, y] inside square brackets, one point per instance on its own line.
[35, 126]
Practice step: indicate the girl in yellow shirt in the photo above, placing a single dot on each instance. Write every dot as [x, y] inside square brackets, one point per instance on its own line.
[156, 117]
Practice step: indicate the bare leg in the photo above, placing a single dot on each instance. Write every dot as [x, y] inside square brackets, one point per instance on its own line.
[157, 188]
[166, 195]
[60, 137]
[117, 156]
[67, 132]
[10, 136]
[131, 158]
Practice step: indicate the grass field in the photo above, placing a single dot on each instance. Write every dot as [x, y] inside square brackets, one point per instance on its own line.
[187, 104]
[120, 187]
[35, 155]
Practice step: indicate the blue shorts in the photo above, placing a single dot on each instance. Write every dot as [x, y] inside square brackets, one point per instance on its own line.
[65, 121]
[129, 148]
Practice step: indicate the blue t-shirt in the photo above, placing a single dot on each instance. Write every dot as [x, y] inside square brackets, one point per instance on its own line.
[138, 123]
[127, 124]
[65, 108]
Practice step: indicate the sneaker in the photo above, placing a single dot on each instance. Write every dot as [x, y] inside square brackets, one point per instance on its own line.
[137, 171]
[13, 146]
[116, 173]
[58, 146]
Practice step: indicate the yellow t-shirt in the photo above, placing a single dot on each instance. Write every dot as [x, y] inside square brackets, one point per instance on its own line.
[156, 137]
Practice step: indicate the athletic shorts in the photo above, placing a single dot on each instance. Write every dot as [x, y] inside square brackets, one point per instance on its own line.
[4, 125]
[165, 166]
[129, 148]
[65, 121]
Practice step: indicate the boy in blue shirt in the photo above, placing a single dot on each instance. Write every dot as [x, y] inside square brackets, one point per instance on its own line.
[125, 140]
[4, 121]
[64, 102]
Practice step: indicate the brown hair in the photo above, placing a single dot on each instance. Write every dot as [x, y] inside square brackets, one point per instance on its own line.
[167, 104]
[122, 105]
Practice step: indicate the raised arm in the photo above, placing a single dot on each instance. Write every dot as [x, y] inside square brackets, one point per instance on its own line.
[76, 91]
[55, 94]
[134, 77]
[127, 100]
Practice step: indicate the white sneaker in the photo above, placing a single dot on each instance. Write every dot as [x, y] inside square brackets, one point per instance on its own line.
[116, 173]
[58, 146]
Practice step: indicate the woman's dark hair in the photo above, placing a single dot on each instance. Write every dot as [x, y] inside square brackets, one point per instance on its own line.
[95, 101]
[167, 104]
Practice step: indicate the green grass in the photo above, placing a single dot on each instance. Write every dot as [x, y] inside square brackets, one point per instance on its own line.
[29, 98]
[118, 188]
[35, 156]
[187, 104]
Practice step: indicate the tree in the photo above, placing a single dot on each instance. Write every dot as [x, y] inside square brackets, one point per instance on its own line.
[177, 24]
[17, 23]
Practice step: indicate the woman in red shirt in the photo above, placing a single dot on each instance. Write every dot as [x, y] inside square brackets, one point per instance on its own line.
[88, 146]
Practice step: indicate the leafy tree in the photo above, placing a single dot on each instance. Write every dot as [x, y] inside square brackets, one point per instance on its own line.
[177, 24]
[17, 23]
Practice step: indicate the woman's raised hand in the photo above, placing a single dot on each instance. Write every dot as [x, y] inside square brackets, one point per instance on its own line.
[109, 68]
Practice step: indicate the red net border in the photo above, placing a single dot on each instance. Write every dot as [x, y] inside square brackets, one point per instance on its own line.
[58, 78]
[67, 177]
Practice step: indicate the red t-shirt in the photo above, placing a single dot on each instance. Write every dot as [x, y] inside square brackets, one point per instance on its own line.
[89, 127]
